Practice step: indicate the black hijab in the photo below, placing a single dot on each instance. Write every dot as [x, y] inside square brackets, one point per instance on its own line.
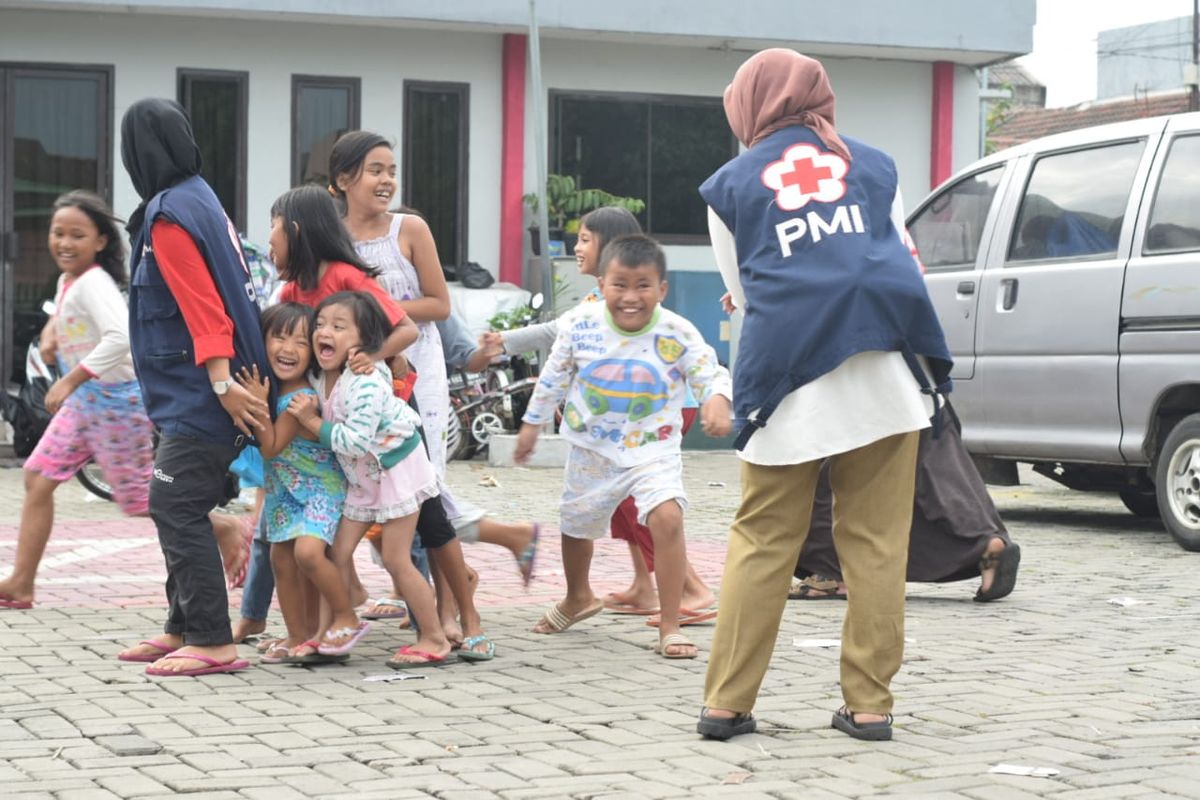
[158, 150]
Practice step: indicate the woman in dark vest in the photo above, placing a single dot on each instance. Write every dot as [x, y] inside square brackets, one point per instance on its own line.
[807, 233]
[193, 323]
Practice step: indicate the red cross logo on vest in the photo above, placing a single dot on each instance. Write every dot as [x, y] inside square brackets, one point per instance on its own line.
[805, 173]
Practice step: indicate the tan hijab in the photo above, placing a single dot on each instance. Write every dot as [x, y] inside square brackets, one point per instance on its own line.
[776, 89]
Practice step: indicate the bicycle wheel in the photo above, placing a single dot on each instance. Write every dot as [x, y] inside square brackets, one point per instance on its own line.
[93, 480]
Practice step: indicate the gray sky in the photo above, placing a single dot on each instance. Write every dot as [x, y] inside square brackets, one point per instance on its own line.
[1064, 40]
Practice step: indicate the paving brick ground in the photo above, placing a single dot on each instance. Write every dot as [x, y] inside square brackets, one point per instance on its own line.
[1056, 676]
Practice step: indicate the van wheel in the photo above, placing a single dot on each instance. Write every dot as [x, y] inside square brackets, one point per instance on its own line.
[1177, 483]
[1141, 502]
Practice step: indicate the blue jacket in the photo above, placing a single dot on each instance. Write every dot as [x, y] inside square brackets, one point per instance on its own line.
[825, 273]
[178, 396]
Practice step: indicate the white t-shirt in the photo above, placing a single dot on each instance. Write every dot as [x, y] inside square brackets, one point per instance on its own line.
[91, 323]
[868, 397]
[624, 390]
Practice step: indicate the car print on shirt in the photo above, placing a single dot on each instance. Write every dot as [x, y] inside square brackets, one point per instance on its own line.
[619, 386]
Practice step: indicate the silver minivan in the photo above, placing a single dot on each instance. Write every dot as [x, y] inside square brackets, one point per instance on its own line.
[1066, 272]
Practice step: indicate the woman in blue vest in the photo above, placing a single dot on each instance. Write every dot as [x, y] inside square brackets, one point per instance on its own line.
[193, 323]
[807, 233]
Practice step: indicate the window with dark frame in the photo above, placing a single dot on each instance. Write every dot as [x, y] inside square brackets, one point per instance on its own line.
[1071, 209]
[435, 162]
[322, 110]
[652, 147]
[948, 229]
[218, 103]
[1174, 225]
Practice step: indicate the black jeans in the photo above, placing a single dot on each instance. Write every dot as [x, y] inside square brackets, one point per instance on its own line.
[189, 480]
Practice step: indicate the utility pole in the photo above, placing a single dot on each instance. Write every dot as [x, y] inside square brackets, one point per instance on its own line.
[1194, 76]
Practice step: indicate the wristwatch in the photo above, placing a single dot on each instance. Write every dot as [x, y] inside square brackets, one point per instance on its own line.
[221, 387]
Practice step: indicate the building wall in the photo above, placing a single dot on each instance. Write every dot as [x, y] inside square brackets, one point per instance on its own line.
[886, 103]
[873, 96]
[146, 50]
[1142, 58]
[977, 31]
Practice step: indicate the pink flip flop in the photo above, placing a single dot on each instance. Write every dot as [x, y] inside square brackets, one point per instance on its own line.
[149, 658]
[213, 667]
[337, 650]
[8, 601]
[686, 617]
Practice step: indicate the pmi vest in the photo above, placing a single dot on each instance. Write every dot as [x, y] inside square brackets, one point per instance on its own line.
[825, 273]
[178, 396]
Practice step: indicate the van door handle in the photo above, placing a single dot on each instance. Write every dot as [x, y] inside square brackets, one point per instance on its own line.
[966, 287]
[1008, 294]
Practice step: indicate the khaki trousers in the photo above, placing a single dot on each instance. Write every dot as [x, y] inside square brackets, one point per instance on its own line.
[872, 516]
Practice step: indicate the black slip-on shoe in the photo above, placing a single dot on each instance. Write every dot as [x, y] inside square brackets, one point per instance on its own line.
[725, 728]
[843, 720]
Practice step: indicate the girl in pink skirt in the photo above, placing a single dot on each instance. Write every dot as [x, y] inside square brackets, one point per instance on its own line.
[374, 435]
[97, 406]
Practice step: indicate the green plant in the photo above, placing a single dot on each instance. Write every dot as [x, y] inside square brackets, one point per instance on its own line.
[566, 202]
[513, 318]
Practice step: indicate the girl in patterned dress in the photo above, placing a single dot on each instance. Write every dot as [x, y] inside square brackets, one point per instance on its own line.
[304, 483]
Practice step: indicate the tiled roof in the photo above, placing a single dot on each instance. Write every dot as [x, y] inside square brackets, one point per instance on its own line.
[1031, 123]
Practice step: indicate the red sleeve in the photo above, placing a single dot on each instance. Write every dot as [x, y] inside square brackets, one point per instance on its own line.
[188, 278]
[359, 281]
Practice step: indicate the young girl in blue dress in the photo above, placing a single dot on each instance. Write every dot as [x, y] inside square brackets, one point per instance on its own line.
[305, 487]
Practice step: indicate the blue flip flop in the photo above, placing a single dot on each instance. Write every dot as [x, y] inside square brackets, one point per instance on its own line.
[528, 556]
[467, 654]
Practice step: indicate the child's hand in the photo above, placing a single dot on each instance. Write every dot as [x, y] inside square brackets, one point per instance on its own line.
[361, 362]
[399, 366]
[492, 344]
[304, 408]
[258, 386]
[716, 416]
[526, 439]
[57, 394]
[727, 303]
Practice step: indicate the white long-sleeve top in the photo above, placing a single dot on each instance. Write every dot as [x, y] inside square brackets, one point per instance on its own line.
[364, 418]
[868, 397]
[625, 391]
[91, 324]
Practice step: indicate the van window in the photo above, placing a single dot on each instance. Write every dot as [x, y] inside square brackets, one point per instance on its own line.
[1075, 202]
[1175, 219]
[948, 228]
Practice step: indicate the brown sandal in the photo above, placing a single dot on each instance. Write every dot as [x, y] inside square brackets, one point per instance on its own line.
[815, 587]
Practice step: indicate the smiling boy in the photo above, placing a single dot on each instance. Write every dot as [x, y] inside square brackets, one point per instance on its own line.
[623, 366]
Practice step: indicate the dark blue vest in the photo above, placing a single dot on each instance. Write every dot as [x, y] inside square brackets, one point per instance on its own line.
[825, 273]
[178, 396]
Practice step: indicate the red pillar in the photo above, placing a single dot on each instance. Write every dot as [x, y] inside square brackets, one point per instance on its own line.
[942, 128]
[512, 157]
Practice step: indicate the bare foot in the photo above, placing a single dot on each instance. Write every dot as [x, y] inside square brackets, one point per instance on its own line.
[139, 651]
[636, 596]
[230, 532]
[995, 545]
[697, 600]
[244, 628]
[223, 654]
[16, 592]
